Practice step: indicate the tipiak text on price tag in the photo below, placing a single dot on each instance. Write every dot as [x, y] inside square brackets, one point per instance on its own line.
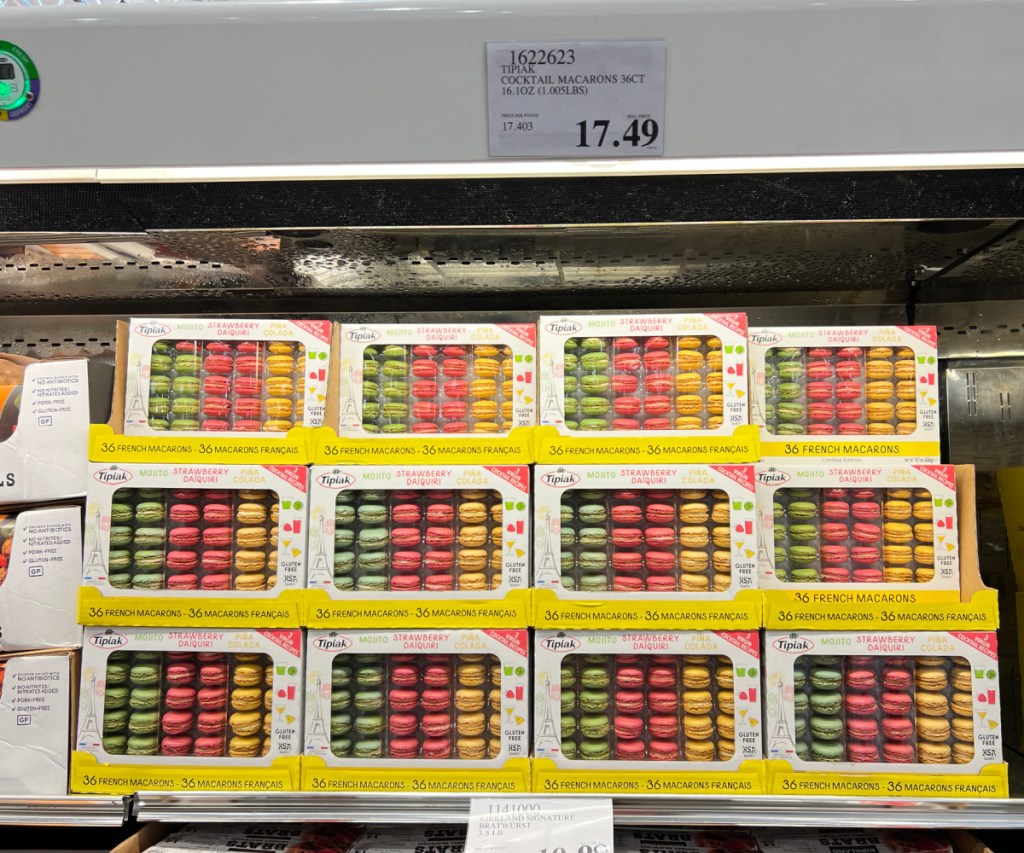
[576, 98]
[540, 825]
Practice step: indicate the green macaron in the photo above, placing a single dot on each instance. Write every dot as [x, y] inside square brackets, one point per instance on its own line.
[142, 745]
[825, 750]
[594, 750]
[803, 554]
[143, 722]
[341, 724]
[115, 744]
[369, 700]
[368, 749]
[823, 678]
[148, 512]
[594, 725]
[593, 537]
[803, 532]
[826, 728]
[369, 724]
[144, 673]
[144, 698]
[340, 699]
[341, 747]
[593, 583]
[593, 701]
[593, 514]
[594, 677]
[115, 720]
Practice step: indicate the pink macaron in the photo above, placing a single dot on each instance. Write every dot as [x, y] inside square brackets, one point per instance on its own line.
[897, 728]
[849, 369]
[818, 391]
[437, 748]
[629, 677]
[177, 722]
[861, 752]
[627, 537]
[866, 533]
[435, 699]
[852, 429]
[176, 745]
[866, 510]
[405, 675]
[630, 750]
[849, 411]
[663, 701]
[439, 561]
[661, 676]
[439, 583]
[405, 583]
[835, 553]
[186, 581]
[867, 575]
[656, 424]
[184, 537]
[658, 383]
[894, 678]
[437, 675]
[663, 726]
[861, 704]
[860, 679]
[628, 728]
[660, 583]
[403, 724]
[624, 383]
[821, 429]
[657, 404]
[180, 698]
[835, 510]
[819, 369]
[626, 514]
[436, 725]
[834, 532]
[848, 391]
[862, 728]
[660, 537]
[865, 554]
[660, 562]
[895, 703]
[835, 574]
[401, 699]
[655, 360]
[627, 583]
[659, 513]
[821, 411]
[403, 747]
[208, 747]
[211, 698]
[898, 753]
[180, 673]
[629, 701]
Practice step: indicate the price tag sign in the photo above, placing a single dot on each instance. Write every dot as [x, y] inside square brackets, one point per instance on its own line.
[576, 98]
[548, 825]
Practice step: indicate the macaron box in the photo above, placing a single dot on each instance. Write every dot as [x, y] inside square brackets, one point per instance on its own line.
[194, 544]
[437, 379]
[636, 538]
[848, 527]
[40, 564]
[438, 546]
[204, 376]
[638, 374]
[164, 709]
[676, 712]
[883, 703]
[846, 392]
[420, 710]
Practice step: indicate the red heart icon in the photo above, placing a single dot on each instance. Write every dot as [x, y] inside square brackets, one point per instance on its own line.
[288, 527]
[739, 527]
[731, 370]
[940, 524]
[511, 527]
[982, 698]
[743, 695]
[510, 694]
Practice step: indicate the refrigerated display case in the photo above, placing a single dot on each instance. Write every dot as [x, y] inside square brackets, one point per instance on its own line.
[854, 163]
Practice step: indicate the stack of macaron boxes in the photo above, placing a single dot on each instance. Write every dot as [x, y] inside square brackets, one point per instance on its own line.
[701, 481]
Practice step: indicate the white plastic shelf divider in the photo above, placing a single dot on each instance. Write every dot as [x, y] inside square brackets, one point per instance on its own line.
[635, 811]
[64, 811]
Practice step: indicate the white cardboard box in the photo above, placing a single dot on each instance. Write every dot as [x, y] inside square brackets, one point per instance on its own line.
[36, 692]
[47, 456]
[38, 596]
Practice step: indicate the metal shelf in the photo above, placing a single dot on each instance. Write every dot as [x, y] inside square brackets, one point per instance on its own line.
[64, 811]
[629, 811]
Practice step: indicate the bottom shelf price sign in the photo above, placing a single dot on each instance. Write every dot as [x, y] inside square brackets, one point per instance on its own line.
[533, 825]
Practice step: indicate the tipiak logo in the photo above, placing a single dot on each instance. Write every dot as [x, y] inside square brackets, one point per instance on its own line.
[563, 327]
[109, 639]
[560, 479]
[332, 643]
[772, 477]
[112, 476]
[152, 330]
[560, 643]
[335, 480]
[362, 335]
[793, 644]
[765, 338]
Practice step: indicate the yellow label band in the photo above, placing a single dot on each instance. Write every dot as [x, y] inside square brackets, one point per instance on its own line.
[512, 611]
[284, 611]
[513, 777]
[742, 613]
[905, 610]
[90, 777]
[742, 446]
[991, 783]
[749, 779]
[218, 449]
[883, 446]
[512, 448]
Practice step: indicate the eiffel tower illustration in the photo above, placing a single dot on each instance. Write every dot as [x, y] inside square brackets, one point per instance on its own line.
[782, 740]
[321, 572]
[548, 567]
[317, 734]
[90, 730]
[349, 412]
[135, 409]
[94, 561]
[547, 725]
[551, 411]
